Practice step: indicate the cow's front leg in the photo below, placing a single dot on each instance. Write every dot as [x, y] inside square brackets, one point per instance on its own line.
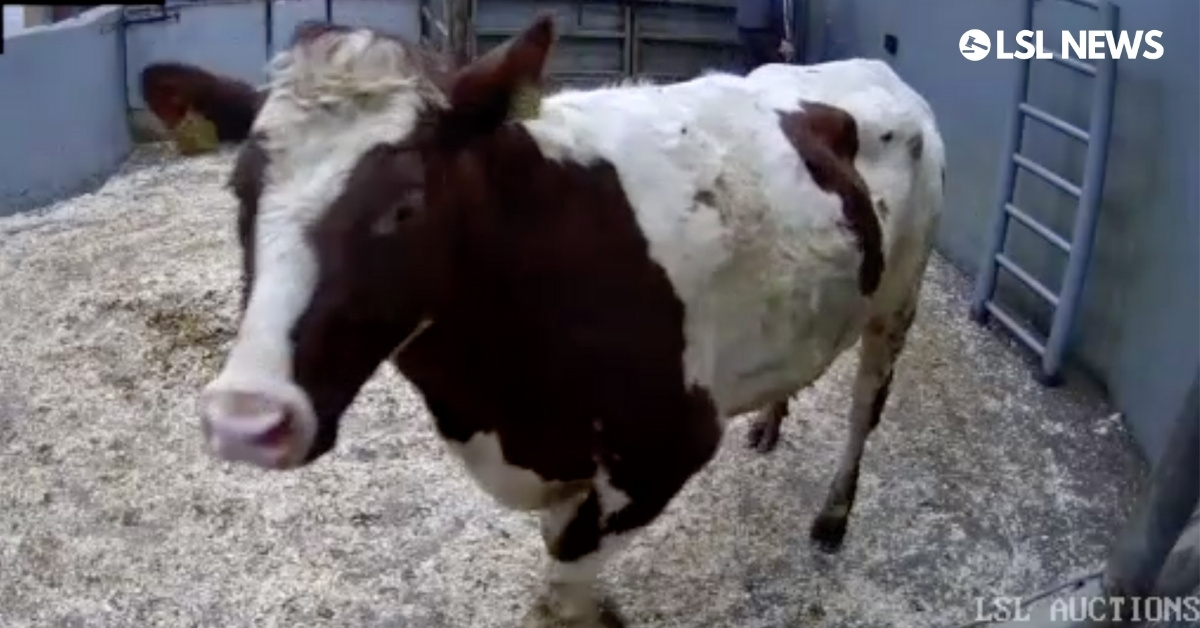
[577, 549]
[638, 475]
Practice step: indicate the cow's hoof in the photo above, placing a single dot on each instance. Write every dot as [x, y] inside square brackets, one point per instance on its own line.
[541, 615]
[610, 616]
[546, 613]
[763, 435]
[827, 533]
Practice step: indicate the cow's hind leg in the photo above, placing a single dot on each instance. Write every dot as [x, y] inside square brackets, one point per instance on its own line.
[882, 341]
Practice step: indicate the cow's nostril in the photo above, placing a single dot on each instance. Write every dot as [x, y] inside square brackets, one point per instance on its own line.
[277, 435]
[260, 427]
[248, 416]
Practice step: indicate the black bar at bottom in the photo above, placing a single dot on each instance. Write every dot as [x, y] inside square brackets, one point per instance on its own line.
[1164, 510]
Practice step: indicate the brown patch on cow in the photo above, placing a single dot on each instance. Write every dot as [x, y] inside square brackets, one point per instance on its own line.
[172, 89]
[705, 198]
[721, 190]
[554, 328]
[826, 139]
[497, 254]
[559, 372]
[916, 147]
[246, 183]
[882, 208]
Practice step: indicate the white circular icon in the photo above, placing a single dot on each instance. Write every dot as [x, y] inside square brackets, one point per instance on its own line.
[974, 44]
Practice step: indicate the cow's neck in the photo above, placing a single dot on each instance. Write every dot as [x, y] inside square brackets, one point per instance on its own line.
[500, 223]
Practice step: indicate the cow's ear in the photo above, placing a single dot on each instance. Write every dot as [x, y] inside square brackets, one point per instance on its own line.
[483, 92]
[172, 90]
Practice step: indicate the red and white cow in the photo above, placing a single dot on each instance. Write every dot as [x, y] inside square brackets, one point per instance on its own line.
[584, 296]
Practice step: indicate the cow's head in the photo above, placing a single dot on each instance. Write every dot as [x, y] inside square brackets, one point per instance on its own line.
[172, 89]
[346, 216]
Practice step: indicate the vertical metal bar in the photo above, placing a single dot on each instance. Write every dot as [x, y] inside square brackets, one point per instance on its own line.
[787, 23]
[269, 27]
[448, 34]
[799, 31]
[422, 33]
[629, 61]
[472, 38]
[1086, 216]
[985, 284]
[329, 11]
[123, 50]
[1163, 511]
[458, 22]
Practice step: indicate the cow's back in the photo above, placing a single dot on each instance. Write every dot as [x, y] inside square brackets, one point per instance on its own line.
[757, 251]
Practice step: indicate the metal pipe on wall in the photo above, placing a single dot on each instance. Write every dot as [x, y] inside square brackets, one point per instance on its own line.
[269, 27]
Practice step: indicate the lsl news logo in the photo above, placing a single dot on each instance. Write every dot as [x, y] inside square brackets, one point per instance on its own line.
[1082, 45]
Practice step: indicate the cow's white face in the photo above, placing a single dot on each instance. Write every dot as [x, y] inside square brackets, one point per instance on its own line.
[324, 177]
[342, 247]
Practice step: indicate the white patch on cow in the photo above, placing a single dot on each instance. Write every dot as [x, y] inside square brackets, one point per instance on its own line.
[511, 486]
[523, 489]
[612, 499]
[752, 246]
[330, 101]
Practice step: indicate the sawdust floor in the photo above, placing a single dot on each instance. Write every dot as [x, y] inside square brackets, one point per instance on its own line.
[115, 308]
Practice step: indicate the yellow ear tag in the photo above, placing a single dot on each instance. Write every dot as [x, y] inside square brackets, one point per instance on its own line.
[195, 134]
[526, 103]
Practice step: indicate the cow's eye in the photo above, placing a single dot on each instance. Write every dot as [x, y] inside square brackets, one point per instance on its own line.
[404, 208]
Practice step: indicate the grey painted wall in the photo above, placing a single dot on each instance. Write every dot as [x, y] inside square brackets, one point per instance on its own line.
[62, 114]
[1137, 332]
[64, 124]
[230, 37]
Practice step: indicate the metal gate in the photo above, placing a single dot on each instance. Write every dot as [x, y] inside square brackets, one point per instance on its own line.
[600, 41]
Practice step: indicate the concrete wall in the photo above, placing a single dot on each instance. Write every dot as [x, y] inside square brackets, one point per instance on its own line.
[231, 37]
[1137, 332]
[55, 143]
[14, 19]
[62, 127]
